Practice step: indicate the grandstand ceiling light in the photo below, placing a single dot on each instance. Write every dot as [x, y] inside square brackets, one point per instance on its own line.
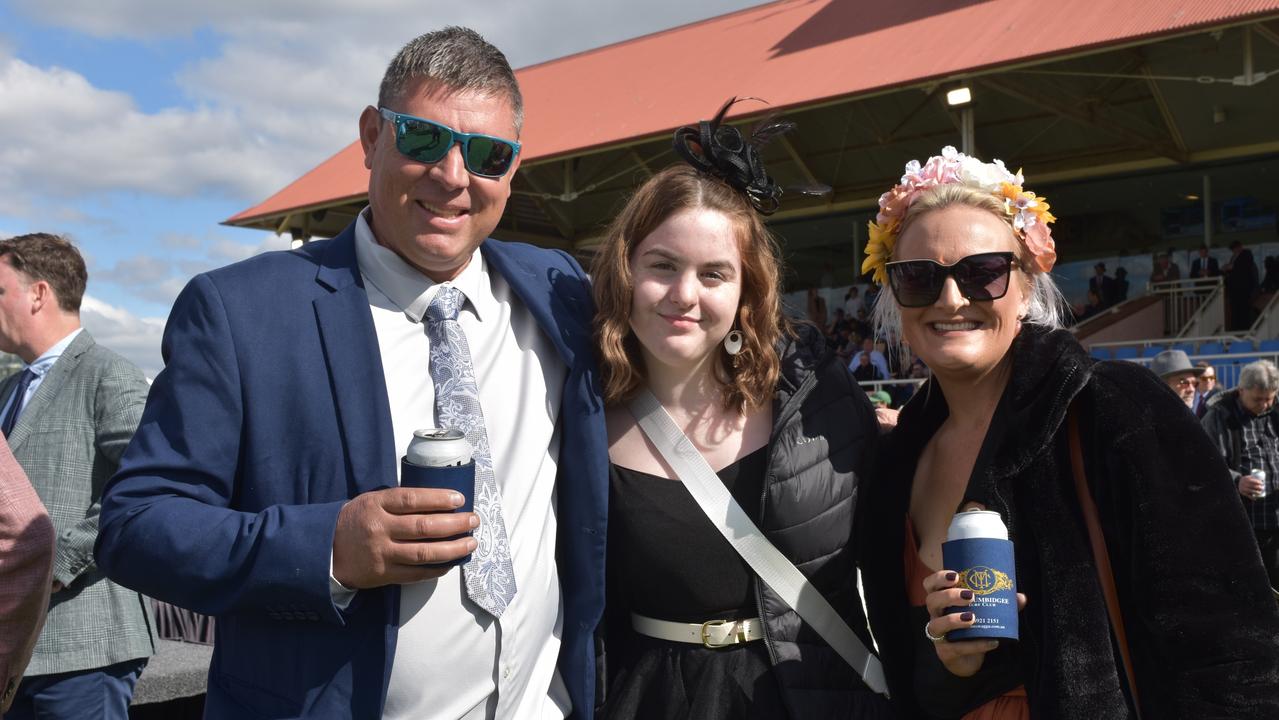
[1190, 197]
[960, 96]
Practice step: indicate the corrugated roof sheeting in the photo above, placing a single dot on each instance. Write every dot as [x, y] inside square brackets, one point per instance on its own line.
[790, 53]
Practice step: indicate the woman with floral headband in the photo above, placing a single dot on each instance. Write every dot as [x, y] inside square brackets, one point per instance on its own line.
[687, 290]
[966, 252]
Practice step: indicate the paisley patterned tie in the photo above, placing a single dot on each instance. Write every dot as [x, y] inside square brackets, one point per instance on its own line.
[490, 578]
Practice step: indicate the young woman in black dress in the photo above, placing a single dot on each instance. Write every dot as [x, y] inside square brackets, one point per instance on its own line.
[687, 290]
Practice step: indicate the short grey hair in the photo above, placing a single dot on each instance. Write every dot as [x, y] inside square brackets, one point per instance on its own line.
[1045, 302]
[1259, 375]
[459, 59]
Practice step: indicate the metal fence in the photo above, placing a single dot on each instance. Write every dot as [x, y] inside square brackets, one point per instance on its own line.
[1227, 365]
[1191, 307]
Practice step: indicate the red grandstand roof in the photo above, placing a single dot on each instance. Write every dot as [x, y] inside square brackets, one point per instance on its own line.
[792, 53]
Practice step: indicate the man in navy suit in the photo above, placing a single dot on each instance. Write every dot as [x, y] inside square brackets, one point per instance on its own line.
[1204, 266]
[261, 486]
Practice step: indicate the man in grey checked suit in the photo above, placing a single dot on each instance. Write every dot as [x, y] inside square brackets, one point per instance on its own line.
[68, 417]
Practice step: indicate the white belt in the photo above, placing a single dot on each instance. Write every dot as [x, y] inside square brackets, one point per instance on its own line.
[711, 634]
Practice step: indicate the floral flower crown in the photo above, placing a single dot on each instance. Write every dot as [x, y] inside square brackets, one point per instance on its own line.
[1029, 213]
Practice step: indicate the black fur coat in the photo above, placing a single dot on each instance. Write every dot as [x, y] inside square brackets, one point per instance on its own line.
[1201, 619]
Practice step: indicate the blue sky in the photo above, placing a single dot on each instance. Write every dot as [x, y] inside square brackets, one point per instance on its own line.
[136, 126]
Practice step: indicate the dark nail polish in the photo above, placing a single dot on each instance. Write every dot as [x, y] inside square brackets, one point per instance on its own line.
[966, 617]
[966, 594]
[950, 577]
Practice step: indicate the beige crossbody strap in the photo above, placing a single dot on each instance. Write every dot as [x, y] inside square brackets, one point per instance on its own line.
[768, 562]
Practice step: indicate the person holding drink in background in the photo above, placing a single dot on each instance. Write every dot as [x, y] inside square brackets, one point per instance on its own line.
[687, 286]
[1244, 425]
[966, 252]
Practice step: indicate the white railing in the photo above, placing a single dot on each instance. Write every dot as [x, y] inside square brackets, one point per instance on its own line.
[1081, 326]
[874, 385]
[1209, 317]
[1267, 323]
[1191, 307]
[1195, 342]
[1151, 342]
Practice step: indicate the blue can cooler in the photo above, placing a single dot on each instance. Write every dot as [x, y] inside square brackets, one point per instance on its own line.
[441, 458]
[978, 549]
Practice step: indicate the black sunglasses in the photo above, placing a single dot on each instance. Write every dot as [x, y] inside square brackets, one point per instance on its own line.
[918, 283]
[427, 141]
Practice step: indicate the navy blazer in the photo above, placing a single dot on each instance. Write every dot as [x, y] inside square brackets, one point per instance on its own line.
[270, 414]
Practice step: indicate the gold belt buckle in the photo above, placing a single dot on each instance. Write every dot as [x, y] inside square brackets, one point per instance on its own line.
[733, 638]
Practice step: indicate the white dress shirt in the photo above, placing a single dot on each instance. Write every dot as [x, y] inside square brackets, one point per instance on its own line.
[452, 659]
[40, 367]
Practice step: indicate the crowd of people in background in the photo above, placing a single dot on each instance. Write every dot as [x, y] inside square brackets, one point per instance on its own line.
[869, 358]
[1247, 290]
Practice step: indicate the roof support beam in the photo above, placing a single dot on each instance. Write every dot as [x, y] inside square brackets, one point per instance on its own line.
[1174, 132]
[554, 212]
[639, 162]
[928, 98]
[1264, 31]
[868, 119]
[804, 170]
[1070, 108]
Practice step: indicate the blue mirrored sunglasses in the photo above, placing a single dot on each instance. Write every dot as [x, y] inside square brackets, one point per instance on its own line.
[427, 141]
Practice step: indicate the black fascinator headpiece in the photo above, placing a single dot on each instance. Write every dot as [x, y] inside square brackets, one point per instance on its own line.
[720, 150]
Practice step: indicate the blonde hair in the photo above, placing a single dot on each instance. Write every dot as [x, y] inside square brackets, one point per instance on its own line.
[1044, 299]
[749, 378]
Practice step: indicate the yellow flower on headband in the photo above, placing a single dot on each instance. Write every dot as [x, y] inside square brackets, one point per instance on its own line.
[1029, 213]
[879, 249]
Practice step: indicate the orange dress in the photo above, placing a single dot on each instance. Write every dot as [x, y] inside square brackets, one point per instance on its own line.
[1011, 705]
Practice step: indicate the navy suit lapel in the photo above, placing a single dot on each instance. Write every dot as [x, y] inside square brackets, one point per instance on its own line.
[355, 366]
[555, 309]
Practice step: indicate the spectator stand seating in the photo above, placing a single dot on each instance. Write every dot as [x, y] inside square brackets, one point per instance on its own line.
[1226, 354]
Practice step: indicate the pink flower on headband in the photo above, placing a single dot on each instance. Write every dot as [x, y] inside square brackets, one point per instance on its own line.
[1040, 243]
[1030, 214]
[938, 170]
[893, 204]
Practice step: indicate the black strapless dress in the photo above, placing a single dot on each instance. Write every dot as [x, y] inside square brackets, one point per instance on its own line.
[668, 561]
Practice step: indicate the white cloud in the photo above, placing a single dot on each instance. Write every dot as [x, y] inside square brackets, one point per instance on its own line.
[136, 338]
[78, 140]
[180, 241]
[145, 276]
[159, 279]
[158, 18]
[282, 93]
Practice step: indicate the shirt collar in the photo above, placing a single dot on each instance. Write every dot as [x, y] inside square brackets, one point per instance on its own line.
[408, 288]
[41, 365]
[1247, 414]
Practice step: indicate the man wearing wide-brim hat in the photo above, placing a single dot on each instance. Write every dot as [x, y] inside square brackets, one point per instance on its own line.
[1174, 367]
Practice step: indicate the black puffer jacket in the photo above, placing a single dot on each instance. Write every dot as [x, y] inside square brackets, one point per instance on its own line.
[1201, 621]
[824, 431]
[823, 434]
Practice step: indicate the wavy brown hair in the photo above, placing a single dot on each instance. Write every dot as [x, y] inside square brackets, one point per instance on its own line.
[748, 379]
